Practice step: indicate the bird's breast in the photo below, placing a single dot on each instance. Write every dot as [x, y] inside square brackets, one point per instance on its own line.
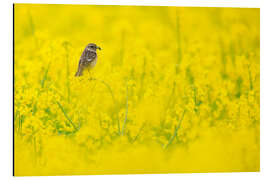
[93, 63]
[90, 64]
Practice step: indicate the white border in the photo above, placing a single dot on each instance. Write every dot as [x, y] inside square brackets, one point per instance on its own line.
[6, 86]
[201, 3]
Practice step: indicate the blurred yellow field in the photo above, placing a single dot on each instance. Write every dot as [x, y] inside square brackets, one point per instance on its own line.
[174, 90]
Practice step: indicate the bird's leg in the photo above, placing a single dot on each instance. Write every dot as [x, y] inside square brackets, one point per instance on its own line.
[89, 72]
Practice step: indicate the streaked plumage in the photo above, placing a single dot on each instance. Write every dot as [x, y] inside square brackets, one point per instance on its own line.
[88, 58]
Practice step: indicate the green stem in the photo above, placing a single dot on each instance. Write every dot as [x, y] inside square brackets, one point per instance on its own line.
[179, 53]
[112, 95]
[107, 85]
[136, 137]
[66, 116]
[45, 75]
[250, 79]
[175, 131]
[124, 124]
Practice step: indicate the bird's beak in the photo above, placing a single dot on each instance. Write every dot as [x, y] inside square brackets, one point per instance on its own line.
[98, 47]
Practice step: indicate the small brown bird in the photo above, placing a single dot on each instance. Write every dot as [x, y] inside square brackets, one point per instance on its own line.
[88, 58]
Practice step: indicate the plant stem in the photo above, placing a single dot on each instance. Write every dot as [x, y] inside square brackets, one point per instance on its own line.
[67, 117]
[123, 128]
[175, 131]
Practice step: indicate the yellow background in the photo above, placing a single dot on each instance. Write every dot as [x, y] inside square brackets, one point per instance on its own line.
[175, 89]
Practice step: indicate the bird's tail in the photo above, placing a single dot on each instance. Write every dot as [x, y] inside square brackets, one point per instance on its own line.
[79, 72]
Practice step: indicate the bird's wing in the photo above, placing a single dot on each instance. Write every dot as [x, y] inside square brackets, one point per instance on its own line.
[87, 56]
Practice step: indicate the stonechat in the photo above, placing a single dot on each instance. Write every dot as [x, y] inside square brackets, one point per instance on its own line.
[88, 58]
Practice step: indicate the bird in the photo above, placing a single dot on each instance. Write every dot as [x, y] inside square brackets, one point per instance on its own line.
[88, 58]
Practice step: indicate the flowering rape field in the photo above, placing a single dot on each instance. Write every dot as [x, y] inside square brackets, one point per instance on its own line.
[175, 90]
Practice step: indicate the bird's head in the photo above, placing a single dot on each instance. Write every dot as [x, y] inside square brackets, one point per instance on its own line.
[93, 47]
